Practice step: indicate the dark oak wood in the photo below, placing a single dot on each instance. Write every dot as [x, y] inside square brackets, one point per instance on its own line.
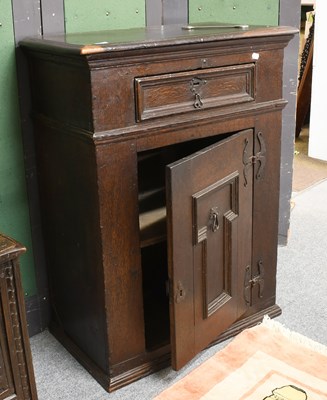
[16, 370]
[164, 95]
[135, 125]
[212, 233]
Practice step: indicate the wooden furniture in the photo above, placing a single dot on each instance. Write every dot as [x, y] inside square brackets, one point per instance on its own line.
[159, 157]
[305, 83]
[16, 370]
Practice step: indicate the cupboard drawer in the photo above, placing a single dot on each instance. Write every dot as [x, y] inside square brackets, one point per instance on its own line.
[191, 91]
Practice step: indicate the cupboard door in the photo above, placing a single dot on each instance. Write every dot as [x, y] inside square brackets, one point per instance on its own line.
[209, 217]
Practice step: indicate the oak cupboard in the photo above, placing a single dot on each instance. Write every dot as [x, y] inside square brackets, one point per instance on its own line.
[158, 160]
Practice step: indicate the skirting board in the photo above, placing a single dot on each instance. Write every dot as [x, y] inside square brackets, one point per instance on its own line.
[37, 314]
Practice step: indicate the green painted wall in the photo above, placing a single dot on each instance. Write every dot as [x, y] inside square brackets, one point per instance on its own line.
[82, 16]
[14, 213]
[252, 12]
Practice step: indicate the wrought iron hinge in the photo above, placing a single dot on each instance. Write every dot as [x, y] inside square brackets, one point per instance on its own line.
[250, 283]
[259, 158]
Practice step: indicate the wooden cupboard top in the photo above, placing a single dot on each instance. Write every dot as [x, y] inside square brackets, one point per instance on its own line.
[136, 81]
[147, 38]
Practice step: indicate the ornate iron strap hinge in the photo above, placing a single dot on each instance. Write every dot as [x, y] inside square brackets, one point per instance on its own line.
[259, 158]
[250, 283]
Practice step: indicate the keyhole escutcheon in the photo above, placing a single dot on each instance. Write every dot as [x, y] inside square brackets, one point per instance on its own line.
[195, 87]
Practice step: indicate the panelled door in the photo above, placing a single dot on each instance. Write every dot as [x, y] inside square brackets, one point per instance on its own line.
[209, 208]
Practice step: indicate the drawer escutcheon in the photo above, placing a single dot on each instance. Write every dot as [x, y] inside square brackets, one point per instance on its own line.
[195, 87]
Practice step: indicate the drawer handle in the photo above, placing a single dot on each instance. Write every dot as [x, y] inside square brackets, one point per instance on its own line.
[195, 87]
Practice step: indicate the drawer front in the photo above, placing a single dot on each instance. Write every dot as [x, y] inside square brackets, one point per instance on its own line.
[182, 92]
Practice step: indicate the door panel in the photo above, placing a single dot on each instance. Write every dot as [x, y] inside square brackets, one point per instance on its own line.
[209, 209]
[215, 213]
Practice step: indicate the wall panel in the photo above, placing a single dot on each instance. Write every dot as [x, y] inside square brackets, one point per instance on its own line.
[14, 212]
[52, 12]
[153, 9]
[255, 12]
[175, 12]
[100, 15]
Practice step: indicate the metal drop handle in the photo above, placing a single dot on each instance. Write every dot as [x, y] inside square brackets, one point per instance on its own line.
[214, 219]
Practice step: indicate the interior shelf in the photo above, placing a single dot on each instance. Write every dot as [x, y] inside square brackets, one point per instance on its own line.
[153, 226]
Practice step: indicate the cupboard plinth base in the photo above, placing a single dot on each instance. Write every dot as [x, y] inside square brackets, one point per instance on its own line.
[248, 322]
[150, 362]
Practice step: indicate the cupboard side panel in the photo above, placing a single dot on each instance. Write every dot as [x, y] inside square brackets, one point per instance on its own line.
[68, 187]
[118, 191]
[61, 89]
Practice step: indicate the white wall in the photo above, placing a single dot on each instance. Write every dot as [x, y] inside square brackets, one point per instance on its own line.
[318, 116]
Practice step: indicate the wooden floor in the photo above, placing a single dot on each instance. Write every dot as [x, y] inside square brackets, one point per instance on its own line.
[307, 171]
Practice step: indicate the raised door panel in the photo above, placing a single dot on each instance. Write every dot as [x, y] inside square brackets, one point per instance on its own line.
[209, 207]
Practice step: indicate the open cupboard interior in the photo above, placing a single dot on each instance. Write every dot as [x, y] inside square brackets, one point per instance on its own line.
[158, 163]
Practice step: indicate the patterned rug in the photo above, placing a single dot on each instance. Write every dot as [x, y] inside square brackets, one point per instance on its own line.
[264, 362]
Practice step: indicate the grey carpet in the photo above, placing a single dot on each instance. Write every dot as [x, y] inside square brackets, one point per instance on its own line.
[301, 292]
[302, 266]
